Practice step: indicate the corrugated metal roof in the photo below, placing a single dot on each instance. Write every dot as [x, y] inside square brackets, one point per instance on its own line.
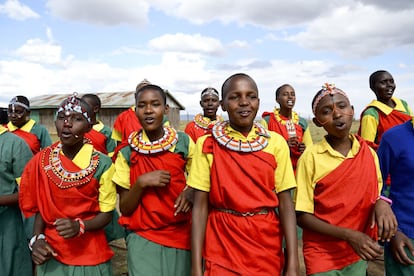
[109, 99]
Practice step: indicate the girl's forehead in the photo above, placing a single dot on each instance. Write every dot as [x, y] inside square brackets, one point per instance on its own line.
[332, 98]
[149, 93]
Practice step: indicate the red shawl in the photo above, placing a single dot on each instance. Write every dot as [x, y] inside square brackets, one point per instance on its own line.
[243, 182]
[31, 140]
[154, 217]
[98, 140]
[346, 198]
[386, 122]
[126, 123]
[38, 194]
[275, 126]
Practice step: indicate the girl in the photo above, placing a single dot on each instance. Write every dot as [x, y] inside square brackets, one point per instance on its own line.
[287, 123]
[203, 123]
[68, 186]
[241, 173]
[384, 112]
[151, 179]
[338, 188]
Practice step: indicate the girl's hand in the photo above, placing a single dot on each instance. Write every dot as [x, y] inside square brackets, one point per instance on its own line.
[157, 178]
[363, 245]
[42, 252]
[301, 147]
[384, 217]
[67, 228]
[292, 142]
[398, 246]
[184, 201]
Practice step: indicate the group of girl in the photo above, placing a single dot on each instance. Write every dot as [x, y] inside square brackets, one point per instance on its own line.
[215, 204]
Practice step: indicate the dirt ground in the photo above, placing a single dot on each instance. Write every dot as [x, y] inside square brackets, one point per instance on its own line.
[120, 265]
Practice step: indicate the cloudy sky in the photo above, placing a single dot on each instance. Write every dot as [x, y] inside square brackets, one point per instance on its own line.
[61, 46]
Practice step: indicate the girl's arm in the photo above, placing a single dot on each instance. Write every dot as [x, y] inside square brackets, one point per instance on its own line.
[69, 228]
[288, 221]
[363, 245]
[41, 250]
[198, 230]
[129, 199]
[7, 200]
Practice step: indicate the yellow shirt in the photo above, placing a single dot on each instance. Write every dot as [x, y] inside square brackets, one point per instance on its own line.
[316, 162]
[369, 124]
[107, 190]
[199, 177]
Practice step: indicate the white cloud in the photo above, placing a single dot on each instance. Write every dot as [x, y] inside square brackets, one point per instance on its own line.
[359, 31]
[239, 44]
[185, 43]
[16, 10]
[43, 52]
[101, 12]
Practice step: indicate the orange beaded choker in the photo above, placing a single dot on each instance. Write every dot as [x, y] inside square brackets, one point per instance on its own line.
[236, 144]
[63, 178]
[169, 139]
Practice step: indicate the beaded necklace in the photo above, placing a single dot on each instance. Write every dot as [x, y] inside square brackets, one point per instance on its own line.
[63, 178]
[289, 123]
[205, 122]
[236, 144]
[169, 139]
[295, 117]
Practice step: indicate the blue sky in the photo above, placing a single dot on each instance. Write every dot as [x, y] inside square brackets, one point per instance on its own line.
[61, 46]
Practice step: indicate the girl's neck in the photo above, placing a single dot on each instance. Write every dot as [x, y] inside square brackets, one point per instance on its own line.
[342, 145]
[155, 134]
[70, 151]
[388, 102]
[286, 112]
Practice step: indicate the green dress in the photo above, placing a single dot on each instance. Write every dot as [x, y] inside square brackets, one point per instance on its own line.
[15, 256]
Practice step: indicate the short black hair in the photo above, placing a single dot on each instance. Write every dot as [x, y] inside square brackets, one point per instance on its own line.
[227, 82]
[152, 87]
[374, 76]
[277, 92]
[95, 99]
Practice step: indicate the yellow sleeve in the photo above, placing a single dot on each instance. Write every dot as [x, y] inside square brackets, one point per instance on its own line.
[369, 127]
[307, 137]
[377, 166]
[199, 176]
[264, 123]
[116, 135]
[303, 197]
[121, 176]
[191, 148]
[284, 176]
[107, 191]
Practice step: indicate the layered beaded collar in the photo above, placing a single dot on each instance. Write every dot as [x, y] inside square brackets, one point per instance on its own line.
[205, 122]
[63, 178]
[243, 145]
[295, 117]
[137, 142]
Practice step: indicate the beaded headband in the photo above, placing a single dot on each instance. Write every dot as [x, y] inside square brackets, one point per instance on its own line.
[327, 89]
[72, 103]
[210, 91]
[15, 101]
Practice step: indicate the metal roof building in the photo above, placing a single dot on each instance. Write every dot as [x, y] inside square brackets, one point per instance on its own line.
[43, 108]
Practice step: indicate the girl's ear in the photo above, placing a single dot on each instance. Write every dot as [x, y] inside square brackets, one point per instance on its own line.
[167, 109]
[223, 105]
[316, 122]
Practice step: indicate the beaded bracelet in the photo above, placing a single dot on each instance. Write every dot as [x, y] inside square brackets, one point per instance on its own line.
[386, 199]
[81, 226]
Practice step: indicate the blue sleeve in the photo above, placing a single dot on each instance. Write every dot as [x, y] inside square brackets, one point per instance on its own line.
[387, 159]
